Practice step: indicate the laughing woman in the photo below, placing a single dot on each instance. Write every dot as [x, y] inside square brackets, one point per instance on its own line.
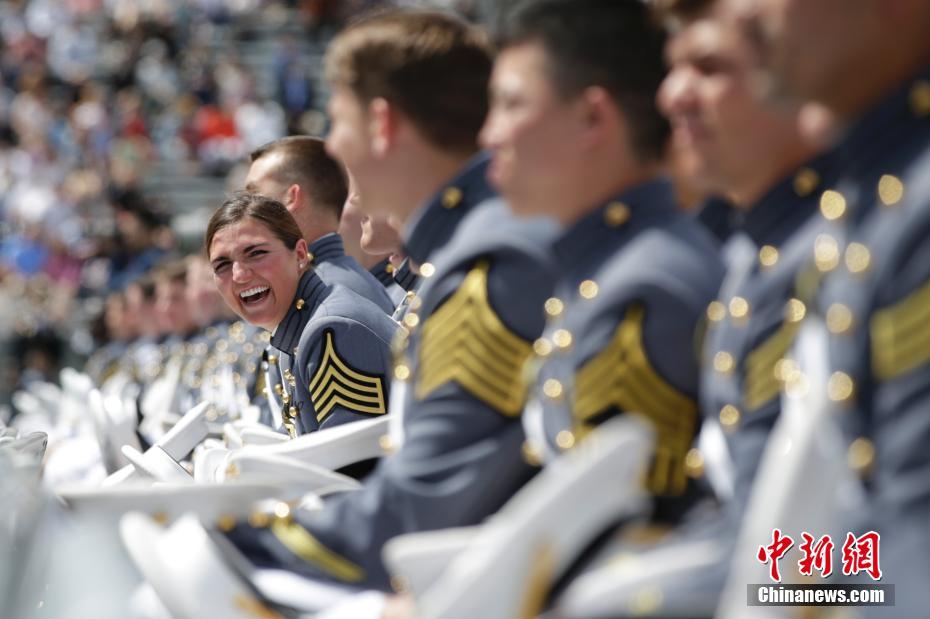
[334, 346]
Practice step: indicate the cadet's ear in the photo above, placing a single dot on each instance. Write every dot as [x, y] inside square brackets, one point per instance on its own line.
[599, 114]
[292, 197]
[302, 254]
[382, 125]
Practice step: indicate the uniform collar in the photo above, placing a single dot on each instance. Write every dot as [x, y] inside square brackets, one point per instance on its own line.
[310, 292]
[907, 105]
[383, 272]
[606, 225]
[327, 247]
[718, 216]
[788, 204]
[405, 276]
[433, 225]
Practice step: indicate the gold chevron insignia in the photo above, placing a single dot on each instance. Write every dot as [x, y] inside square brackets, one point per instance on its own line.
[466, 342]
[306, 546]
[335, 383]
[900, 335]
[622, 377]
[762, 382]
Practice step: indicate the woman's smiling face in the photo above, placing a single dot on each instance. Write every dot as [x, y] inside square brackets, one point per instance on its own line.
[256, 274]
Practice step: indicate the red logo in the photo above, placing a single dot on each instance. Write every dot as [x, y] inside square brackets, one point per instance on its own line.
[860, 554]
[773, 552]
[817, 555]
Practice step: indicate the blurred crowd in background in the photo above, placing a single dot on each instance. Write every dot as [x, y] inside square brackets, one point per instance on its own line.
[120, 120]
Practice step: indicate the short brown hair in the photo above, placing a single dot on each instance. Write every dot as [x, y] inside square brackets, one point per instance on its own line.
[432, 66]
[306, 163]
[270, 212]
[673, 13]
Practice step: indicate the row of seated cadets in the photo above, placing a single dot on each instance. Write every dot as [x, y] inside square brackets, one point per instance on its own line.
[478, 313]
[485, 277]
[750, 325]
[174, 318]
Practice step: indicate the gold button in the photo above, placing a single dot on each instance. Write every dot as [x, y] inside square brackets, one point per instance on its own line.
[795, 310]
[768, 256]
[401, 371]
[787, 370]
[739, 307]
[565, 439]
[616, 214]
[729, 416]
[386, 444]
[646, 602]
[723, 362]
[542, 347]
[920, 98]
[300, 304]
[279, 389]
[399, 584]
[694, 463]
[890, 189]
[826, 253]
[832, 204]
[805, 182]
[282, 511]
[160, 518]
[451, 197]
[389, 268]
[531, 454]
[292, 412]
[562, 338]
[259, 520]
[554, 306]
[840, 387]
[427, 269]
[272, 359]
[861, 455]
[858, 258]
[310, 257]
[716, 311]
[839, 318]
[552, 389]
[588, 289]
[226, 523]
[411, 320]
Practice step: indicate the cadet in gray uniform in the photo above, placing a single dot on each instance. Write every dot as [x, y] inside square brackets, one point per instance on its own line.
[334, 346]
[869, 65]
[636, 274]
[313, 186]
[471, 327]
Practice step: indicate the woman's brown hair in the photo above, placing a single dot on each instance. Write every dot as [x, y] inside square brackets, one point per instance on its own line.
[270, 212]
